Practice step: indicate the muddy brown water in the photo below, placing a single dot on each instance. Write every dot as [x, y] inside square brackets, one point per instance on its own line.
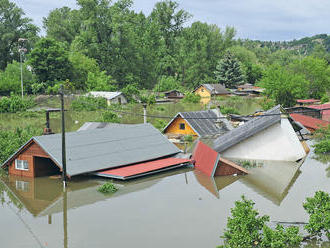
[181, 208]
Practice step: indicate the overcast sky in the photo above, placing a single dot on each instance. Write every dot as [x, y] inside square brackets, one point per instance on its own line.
[253, 19]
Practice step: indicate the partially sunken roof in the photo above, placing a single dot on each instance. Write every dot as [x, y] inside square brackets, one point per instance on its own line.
[105, 94]
[248, 129]
[216, 88]
[203, 122]
[99, 149]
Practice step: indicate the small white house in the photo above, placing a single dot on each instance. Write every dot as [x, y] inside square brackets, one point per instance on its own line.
[112, 97]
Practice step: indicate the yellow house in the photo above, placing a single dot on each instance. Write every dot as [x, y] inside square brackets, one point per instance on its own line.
[197, 123]
[209, 90]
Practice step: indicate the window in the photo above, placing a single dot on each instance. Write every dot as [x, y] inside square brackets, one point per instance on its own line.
[202, 90]
[21, 164]
[182, 126]
[22, 185]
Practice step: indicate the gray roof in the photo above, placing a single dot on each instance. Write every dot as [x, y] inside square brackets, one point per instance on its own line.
[96, 125]
[216, 88]
[99, 149]
[247, 130]
[202, 122]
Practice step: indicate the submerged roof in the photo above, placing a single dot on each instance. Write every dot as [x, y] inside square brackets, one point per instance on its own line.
[248, 129]
[203, 122]
[105, 94]
[97, 125]
[216, 88]
[99, 149]
[310, 122]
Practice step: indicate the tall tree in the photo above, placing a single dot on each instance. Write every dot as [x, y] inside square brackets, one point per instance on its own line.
[13, 25]
[62, 24]
[228, 71]
[50, 61]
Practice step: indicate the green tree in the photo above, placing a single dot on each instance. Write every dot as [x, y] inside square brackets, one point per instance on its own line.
[228, 71]
[62, 24]
[50, 61]
[13, 25]
[318, 208]
[283, 86]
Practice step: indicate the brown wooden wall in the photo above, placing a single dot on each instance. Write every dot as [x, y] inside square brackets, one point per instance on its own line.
[224, 169]
[28, 153]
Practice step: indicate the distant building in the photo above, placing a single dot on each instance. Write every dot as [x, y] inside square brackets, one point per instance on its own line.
[324, 109]
[248, 89]
[209, 90]
[111, 97]
[309, 122]
[173, 94]
[303, 102]
[197, 123]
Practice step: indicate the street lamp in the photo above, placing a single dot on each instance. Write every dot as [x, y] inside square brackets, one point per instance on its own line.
[22, 50]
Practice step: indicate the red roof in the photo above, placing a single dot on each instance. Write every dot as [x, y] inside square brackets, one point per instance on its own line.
[309, 122]
[145, 168]
[325, 113]
[307, 100]
[206, 159]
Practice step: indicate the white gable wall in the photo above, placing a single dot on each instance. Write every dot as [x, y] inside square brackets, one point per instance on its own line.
[278, 142]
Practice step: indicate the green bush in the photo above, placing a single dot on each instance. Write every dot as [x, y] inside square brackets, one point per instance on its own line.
[245, 228]
[229, 110]
[325, 99]
[15, 104]
[191, 98]
[109, 116]
[318, 208]
[88, 103]
[107, 188]
[160, 124]
[10, 141]
[322, 137]
[167, 83]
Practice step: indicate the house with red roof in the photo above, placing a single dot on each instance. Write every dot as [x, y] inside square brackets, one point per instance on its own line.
[325, 110]
[307, 101]
[310, 123]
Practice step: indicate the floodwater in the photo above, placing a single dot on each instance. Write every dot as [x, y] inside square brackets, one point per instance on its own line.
[181, 208]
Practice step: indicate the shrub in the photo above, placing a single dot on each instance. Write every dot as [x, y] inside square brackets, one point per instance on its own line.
[15, 104]
[188, 138]
[109, 116]
[318, 208]
[131, 92]
[10, 141]
[247, 229]
[191, 98]
[107, 188]
[229, 110]
[266, 103]
[88, 103]
[325, 99]
[167, 83]
[160, 124]
[322, 137]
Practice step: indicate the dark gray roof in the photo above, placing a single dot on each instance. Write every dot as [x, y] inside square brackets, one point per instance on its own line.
[96, 125]
[216, 88]
[247, 130]
[100, 149]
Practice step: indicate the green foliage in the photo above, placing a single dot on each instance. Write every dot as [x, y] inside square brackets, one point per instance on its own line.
[281, 237]
[100, 81]
[229, 110]
[188, 138]
[266, 103]
[50, 61]
[191, 98]
[131, 92]
[109, 116]
[88, 103]
[325, 98]
[10, 79]
[15, 104]
[14, 25]
[11, 141]
[147, 98]
[107, 188]
[284, 87]
[245, 226]
[228, 71]
[160, 124]
[247, 229]
[318, 208]
[167, 83]
[322, 137]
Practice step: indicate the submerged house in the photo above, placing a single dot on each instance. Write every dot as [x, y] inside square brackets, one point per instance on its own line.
[324, 109]
[173, 94]
[209, 90]
[198, 124]
[111, 97]
[266, 137]
[312, 124]
[93, 150]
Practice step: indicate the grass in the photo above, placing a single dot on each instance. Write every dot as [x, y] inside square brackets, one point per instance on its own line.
[107, 188]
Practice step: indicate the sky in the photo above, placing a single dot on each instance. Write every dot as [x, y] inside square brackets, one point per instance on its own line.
[254, 19]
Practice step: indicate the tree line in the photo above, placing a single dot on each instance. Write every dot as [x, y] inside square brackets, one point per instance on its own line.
[105, 45]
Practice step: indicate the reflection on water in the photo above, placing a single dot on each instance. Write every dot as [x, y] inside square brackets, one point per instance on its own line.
[142, 212]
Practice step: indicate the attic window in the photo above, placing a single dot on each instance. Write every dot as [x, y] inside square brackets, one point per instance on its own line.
[21, 165]
[182, 126]
[202, 90]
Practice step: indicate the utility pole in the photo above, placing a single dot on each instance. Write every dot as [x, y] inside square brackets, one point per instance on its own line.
[21, 50]
[63, 139]
[144, 113]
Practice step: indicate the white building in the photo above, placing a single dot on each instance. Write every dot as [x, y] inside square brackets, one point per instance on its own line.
[111, 97]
